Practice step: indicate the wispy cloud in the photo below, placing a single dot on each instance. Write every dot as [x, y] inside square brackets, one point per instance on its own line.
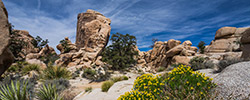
[146, 19]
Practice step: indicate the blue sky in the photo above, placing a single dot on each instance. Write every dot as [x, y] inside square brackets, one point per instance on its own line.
[194, 20]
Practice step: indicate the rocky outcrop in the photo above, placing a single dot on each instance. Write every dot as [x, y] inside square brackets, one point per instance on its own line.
[66, 46]
[23, 39]
[167, 53]
[245, 41]
[44, 52]
[226, 40]
[93, 31]
[6, 57]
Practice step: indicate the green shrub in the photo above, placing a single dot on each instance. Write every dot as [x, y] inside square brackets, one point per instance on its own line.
[197, 63]
[88, 89]
[31, 67]
[14, 91]
[121, 53]
[17, 67]
[29, 87]
[160, 69]
[201, 46]
[119, 78]
[38, 42]
[89, 73]
[61, 84]
[106, 85]
[56, 72]
[227, 62]
[48, 92]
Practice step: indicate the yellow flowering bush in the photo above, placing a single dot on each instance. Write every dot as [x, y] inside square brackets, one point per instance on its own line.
[181, 83]
[137, 95]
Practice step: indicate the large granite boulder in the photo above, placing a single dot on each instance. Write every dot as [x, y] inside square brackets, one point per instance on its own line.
[245, 41]
[93, 31]
[6, 57]
[226, 40]
[234, 82]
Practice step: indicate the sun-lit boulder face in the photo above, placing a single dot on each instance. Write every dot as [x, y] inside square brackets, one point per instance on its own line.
[226, 40]
[245, 41]
[6, 57]
[93, 31]
[70, 46]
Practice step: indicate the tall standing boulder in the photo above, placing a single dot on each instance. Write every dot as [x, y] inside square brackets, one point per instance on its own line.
[6, 57]
[93, 31]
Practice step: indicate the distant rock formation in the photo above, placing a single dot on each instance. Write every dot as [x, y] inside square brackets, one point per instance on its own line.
[6, 57]
[226, 40]
[167, 53]
[93, 31]
[245, 41]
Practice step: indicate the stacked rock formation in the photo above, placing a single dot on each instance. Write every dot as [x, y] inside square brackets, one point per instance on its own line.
[245, 41]
[93, 31]
[27, 39]
[6, 57]
[167, 53]
[70, 46]
[226, 40]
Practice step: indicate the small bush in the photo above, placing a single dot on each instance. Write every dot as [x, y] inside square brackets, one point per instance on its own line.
[14, 91]
[120, 78]
[106, 85]
[224, 63]
[7, 81]
[48, 92]
[89, 73]
[201, 46]
[88, 89]
[56, 72]
[197, 63]
[160, 69]
[61, 84]
[17, 67]
[30, 67]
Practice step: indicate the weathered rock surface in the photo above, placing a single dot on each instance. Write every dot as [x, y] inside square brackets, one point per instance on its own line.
[6, 57]
[93, 31]
[27, 39]
[69, 45]
[163, 54]
[245, 40]
[234, 81]
[226, 40]
[44, 52]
